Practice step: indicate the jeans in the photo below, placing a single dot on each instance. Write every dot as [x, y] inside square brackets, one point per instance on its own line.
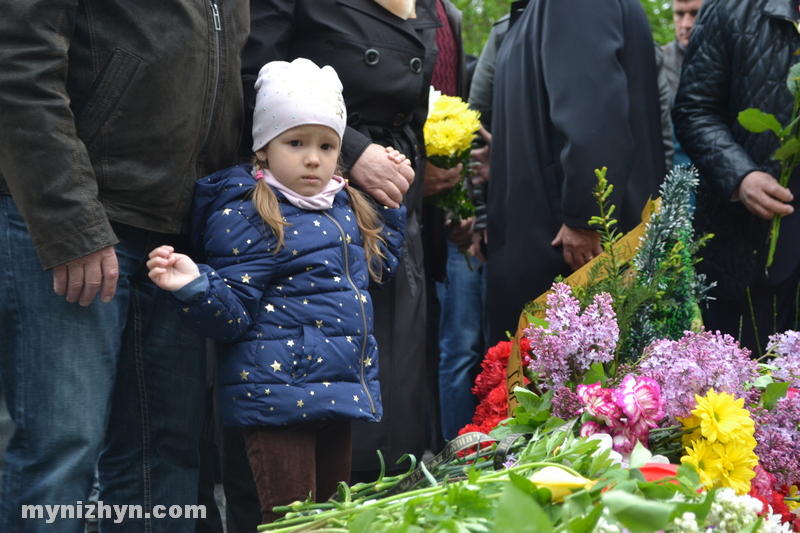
[117, 386]
[461, 344]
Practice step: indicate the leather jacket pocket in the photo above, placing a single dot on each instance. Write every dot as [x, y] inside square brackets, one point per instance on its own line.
[104, 94]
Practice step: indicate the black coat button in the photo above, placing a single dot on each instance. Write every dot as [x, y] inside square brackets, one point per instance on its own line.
[416, 65]
[398, 119]
[372, 56]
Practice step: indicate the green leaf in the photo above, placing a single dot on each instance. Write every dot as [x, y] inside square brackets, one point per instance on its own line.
[793, 79]
[636, 513]
[789, 148]
[763, 381]
[363, 522]
[774, 392]
[539, 322]
[752, 528]
[595, 374]
[585, 523]
[639, 456]
[575, 505]
[700, 509]
[518, 512]
[757, 121]
[522, 483]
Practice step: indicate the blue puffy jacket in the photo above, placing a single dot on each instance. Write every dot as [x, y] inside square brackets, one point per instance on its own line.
[295, 326]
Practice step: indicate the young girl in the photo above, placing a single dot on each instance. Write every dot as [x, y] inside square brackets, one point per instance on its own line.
[291, 251]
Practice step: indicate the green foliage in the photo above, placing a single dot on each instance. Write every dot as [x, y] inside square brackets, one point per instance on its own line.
[480, 15]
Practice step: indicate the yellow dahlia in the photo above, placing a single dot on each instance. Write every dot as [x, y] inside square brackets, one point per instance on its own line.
[705, 460]
[722, 417]
[450, 127]
[736, 466]
[690, 423]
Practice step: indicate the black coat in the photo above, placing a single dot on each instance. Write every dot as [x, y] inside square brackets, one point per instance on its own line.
[575, 90]
[123, 106]
[738, 57]
[385, 64]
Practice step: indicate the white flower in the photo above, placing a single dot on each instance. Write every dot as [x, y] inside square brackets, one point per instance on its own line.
[433, 95]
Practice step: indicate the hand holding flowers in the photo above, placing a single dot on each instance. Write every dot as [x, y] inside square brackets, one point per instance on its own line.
[449, 130]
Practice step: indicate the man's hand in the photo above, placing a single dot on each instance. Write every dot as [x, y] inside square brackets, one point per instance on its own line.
[461, 233]
[763, 196]
[381, 176]
[81, 278]
[580, 245]
[169, 270]
[439, 179]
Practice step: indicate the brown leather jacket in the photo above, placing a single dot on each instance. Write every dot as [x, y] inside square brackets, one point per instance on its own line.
[111, 110]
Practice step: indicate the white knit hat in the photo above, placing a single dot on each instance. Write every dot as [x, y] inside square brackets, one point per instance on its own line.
[295, 94]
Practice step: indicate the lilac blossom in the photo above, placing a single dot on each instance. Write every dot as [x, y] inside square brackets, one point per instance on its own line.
[566, 404]
[692, 365]
[572, 341]
[786, 347]
[777, 451]
[778, 437]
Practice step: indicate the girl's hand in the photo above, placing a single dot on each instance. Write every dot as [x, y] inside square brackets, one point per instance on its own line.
[169, 270]
[396, 157]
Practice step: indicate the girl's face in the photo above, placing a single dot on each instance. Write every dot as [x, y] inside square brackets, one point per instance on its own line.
[303, 158]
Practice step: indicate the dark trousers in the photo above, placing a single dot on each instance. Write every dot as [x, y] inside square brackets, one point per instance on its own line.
[289, 462]
[773, 309]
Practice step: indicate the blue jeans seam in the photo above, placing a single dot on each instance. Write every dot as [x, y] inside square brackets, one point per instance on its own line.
[146, 481]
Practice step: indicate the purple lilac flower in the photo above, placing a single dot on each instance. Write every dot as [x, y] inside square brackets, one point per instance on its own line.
[572, 342]
[777, 450]
[692, 365]
[566, 404]
[786, 347]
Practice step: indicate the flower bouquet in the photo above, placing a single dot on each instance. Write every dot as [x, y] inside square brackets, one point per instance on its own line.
[449, 130]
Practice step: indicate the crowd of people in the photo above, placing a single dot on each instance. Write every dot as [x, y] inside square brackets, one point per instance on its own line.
[219, 264]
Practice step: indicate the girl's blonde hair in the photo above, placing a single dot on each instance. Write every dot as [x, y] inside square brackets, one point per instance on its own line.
[267, 205]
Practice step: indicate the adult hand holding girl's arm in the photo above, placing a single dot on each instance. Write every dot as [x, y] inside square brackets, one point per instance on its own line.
[169, 270]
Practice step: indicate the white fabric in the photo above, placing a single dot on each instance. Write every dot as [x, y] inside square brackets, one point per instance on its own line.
[295, 94]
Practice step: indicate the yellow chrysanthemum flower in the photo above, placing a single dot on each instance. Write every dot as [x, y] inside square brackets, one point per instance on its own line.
[736, 466]
[706, 461]
[793, 493]
[722, 417]
[450, 127]
[691, 422]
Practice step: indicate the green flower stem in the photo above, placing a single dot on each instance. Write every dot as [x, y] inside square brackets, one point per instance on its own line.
[396, 501]
[787, 165]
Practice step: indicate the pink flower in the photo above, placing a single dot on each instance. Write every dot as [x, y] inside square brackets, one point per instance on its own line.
[600, 403]
[590, 428]
[640, 401]
[625, 438]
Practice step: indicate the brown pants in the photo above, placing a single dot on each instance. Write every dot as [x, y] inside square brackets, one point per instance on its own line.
[289, 462]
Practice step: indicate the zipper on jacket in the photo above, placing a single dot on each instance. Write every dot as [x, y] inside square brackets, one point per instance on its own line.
[217, 69]
[363, 313]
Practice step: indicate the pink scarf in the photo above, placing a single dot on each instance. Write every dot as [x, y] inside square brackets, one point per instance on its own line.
[319, 202]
